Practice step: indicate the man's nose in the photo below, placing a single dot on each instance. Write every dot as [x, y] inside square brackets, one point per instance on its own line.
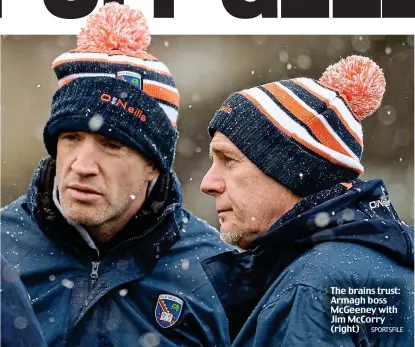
[85, 163]
[212, 184]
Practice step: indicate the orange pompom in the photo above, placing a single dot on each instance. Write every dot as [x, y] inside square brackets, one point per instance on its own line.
[115, 27]
[360, 81]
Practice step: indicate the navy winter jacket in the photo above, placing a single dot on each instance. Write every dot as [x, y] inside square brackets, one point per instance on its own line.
[287, 289]
[148, 289]
[19, 325]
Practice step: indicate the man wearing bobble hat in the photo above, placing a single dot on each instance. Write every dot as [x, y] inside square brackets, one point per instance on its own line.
[102, 244]
[328, 262]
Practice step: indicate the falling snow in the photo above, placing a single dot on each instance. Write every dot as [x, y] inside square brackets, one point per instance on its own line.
[283, 57]
[20, 323]
[322, 219]
[95, 122]
[149, 340]
[123, 292]
[67, 283]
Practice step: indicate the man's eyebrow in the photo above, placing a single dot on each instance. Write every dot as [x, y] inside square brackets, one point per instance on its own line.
[220, 149]
[215, 149]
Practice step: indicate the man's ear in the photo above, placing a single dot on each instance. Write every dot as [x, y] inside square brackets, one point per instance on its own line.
[152, 171]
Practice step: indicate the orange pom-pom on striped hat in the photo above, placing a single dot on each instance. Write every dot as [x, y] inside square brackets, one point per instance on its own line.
[111, 74]
[306, 134]
[359, 81]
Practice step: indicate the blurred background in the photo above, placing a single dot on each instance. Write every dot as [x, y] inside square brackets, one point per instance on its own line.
[206, 70]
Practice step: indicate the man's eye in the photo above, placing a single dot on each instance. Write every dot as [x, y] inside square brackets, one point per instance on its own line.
[230, 162]
[112, 145]
[71, 137]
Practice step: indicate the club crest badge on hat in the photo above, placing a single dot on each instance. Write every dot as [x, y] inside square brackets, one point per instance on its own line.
[133, 78]
[168, 310]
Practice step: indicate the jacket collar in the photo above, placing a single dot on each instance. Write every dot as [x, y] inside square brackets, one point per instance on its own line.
[153, 230]
[362, 214]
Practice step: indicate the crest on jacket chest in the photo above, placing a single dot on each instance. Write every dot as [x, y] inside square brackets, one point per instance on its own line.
[168, 310]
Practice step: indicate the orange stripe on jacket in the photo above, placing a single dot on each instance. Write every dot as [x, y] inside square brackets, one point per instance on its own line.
[307, 117]
[161, 93]
[334, 108]
[296, 137]
[60, 62]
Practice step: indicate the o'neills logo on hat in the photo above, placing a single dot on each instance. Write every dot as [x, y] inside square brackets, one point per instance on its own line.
[225, 108]
[124, 104]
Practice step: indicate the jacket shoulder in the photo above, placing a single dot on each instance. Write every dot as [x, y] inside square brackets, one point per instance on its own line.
[297, 306]
[341, 264]
[14, 218]
[14, 208]
[20, 234]
[197, 236]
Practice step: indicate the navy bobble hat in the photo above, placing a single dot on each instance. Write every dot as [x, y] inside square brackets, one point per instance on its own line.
[305, 134]
[111, 86]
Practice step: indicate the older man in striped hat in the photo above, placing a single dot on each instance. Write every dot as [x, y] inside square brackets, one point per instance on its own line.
[286, 157]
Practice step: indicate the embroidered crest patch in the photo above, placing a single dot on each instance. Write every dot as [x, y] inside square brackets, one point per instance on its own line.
[168, 310]
[130, 77]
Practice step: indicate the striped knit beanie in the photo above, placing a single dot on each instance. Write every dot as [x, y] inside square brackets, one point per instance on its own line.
[305, 134]
[111, 86]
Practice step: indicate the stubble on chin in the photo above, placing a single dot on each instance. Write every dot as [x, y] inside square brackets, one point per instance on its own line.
[82, 214]
[231, 237]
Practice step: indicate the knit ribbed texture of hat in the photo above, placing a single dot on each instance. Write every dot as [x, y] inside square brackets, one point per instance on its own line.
[305, 134]
[112, 86]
